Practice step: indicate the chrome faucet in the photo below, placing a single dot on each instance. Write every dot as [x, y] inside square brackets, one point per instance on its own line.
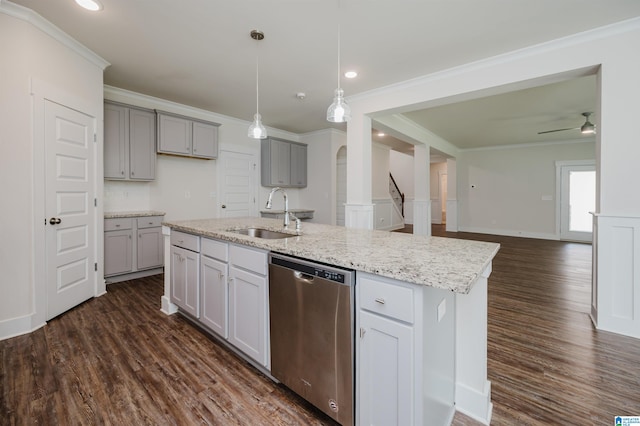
[287, 213]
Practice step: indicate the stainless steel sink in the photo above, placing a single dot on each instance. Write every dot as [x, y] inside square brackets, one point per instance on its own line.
[262, 233]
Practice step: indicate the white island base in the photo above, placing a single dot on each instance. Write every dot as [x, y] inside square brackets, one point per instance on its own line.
[420, 330]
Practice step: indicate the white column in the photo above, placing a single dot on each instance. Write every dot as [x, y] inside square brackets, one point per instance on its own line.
[452, 196]
[359, 209]
[422, 191]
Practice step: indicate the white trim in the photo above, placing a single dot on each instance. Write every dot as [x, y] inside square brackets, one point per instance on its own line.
[508, 233]
[13, 327]
[28, 15]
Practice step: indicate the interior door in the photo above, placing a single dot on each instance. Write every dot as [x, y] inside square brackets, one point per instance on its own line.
[237, 192]
[69, 206]
[577, 200]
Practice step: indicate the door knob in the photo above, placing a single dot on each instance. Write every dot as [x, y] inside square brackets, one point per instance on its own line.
[224, 206]
[54, 220]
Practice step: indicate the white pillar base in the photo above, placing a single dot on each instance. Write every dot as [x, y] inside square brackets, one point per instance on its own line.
[358, 216]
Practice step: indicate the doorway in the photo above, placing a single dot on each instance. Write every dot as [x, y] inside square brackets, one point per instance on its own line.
[577, 199]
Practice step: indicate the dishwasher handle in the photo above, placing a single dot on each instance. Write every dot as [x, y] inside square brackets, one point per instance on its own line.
[304, 277]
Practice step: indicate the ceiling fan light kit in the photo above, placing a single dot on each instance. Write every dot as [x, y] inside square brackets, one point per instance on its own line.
[588, 128]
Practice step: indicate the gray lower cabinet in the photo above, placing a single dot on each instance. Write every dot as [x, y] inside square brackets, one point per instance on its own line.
[188, 137]
[132, 245]
[129, 142]
[283, 163]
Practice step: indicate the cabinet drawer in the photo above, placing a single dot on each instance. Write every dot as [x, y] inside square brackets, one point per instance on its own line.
[253, 260]
[387, 299]
[149, 222]
[117, 224]
[187, 241]
[215, 249]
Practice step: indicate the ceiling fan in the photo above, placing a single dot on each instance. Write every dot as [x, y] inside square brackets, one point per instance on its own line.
[587, 128]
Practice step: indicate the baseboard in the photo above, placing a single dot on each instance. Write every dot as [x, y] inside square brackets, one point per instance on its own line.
[474, 404]
[18, 326]
[133, 275]
[509, 233]
[168, 307]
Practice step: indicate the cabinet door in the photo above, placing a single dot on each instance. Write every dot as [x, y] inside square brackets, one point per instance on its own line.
[185, 271]
[142, 145]
[214, 295]
[280, 163]
[298, 165]
[150, 248]
[174, 135]
[116, 144]
[248, 313]
[205, 140]
[118, 256]
[385, 375]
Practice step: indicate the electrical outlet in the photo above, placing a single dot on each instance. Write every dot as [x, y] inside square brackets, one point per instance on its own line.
[187, 194]
[442, 309]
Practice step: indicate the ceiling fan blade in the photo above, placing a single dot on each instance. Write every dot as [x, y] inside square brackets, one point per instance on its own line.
[558, 130]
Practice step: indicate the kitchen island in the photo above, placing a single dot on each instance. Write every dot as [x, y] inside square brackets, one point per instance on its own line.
[436, 293]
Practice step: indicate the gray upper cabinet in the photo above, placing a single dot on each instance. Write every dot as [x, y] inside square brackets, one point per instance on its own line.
[185, 136]
[129, 142]
[283, 163]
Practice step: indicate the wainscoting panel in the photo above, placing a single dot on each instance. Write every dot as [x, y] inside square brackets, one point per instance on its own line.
[386, 216]
[617, 275]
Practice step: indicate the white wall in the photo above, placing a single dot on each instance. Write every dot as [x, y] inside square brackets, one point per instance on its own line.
[320, 193]
[509, 186]
[380, 171]
[26, 55]
[184, 186]
[401, 167]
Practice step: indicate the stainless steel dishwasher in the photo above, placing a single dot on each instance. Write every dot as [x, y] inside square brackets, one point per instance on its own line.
[312, 329]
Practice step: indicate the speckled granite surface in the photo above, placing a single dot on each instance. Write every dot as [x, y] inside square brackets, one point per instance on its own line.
[142, 213]
[444, 263]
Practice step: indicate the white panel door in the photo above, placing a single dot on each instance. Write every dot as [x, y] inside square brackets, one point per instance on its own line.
[70, 233]
[237, 189]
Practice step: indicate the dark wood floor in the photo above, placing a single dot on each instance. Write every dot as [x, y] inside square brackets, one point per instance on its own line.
[118, 360]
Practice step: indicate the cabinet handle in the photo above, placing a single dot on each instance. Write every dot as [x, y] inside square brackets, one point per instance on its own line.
[362, 331]
[122, 172]
[129, 236]
[132, 173]
[380, 300]
[117, 226]
[139, 235]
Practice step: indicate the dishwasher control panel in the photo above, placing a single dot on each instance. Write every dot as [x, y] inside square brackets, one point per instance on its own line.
[313, 269]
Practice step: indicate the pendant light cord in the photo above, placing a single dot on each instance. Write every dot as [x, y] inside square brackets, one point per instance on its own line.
[257, 80]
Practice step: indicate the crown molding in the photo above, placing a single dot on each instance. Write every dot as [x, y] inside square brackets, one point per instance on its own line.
[530, 145]
[56, 33]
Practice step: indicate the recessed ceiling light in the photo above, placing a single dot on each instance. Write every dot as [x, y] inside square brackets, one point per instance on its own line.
[381, 134]
[351, 74]
[92, 5]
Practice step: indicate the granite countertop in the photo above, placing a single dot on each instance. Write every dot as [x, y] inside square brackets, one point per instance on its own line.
[445, 263]
[141, 213]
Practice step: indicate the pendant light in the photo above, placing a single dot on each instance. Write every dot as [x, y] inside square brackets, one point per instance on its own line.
[257, 130]
[587, 128]
[338, 111]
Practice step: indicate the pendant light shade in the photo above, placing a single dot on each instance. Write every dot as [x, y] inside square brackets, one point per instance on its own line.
[256, 129]
[338, 111]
